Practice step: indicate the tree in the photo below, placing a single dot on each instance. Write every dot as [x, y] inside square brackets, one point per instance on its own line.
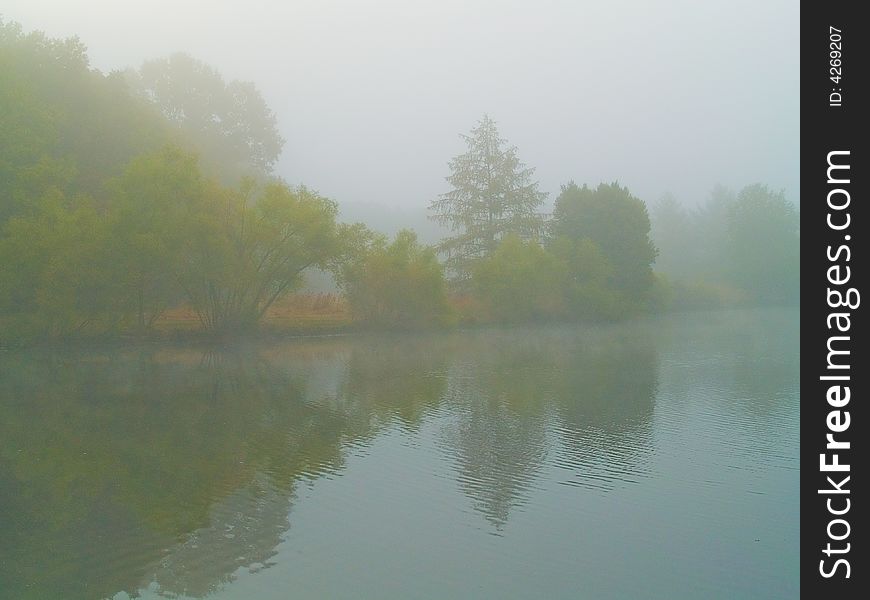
[692, 242]
[57, 274]
[587, 274]
[618, 224]
[674, 235]
[155, 206]
[710, 224]
[229, 122]
[398, 284]
[763, 244]
[493, 195]
[65, 126]
[519, 281]
[246, 252]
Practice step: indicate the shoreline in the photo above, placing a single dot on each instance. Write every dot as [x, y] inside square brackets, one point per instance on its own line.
[268, 332]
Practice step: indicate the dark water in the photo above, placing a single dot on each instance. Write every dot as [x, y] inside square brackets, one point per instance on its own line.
[656, 459]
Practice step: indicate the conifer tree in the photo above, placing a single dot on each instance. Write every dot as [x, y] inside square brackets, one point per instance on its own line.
[492, 195]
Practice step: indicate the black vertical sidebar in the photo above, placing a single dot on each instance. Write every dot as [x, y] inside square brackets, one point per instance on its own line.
[834, 370]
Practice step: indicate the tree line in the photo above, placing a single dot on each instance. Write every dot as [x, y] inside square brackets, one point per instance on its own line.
[734, 247]
[125, 194]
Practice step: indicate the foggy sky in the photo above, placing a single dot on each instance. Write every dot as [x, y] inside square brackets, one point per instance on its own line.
[371, 96]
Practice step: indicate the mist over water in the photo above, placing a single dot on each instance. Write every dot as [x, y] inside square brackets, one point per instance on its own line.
[568, 369]
[656, 458]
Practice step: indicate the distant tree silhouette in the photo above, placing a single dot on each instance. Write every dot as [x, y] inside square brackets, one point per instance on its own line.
[763, 244]
[229, 122]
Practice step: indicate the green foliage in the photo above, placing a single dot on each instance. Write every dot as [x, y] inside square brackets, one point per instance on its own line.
[155, 206]
[618, 224]
[400, 284]
[228, 122]
[523, 280]
[520, 281]
[166, 236]
[105, 221]
[56, 274]
[588, 294]
[246, 252]
[102, 229]
[65, 126]
[493, 196]
[70, 266]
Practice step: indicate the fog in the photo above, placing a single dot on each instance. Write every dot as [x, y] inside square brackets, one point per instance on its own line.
[372, 96]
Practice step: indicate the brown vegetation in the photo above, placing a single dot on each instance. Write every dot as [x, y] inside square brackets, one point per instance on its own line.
[294, 313]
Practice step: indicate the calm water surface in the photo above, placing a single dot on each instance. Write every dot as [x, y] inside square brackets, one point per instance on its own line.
[654, 459]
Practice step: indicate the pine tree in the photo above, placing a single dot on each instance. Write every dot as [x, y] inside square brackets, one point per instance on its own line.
[493, 195]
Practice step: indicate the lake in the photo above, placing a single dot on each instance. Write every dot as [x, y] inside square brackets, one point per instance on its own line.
[651, 459]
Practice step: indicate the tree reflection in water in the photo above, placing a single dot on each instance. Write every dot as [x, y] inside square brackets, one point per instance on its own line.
[179, 467]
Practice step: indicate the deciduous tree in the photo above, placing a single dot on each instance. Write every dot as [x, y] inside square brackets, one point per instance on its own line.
[618, 224]
[400, 284]
[229, 122]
